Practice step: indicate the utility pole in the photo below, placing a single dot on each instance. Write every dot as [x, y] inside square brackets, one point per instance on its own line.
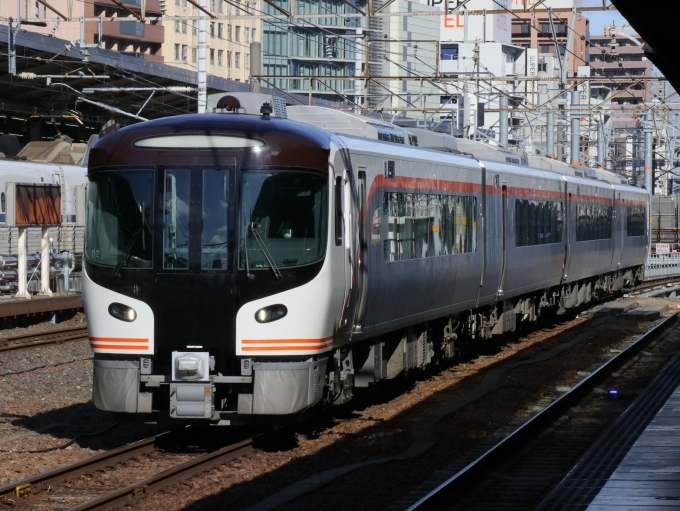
[649, 160]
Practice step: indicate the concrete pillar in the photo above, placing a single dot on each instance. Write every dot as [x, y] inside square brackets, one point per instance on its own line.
[550, 135]
[649, 157]
[45, 262]
[22, 267]
[255, 65]
[575, 128]
[503, 122]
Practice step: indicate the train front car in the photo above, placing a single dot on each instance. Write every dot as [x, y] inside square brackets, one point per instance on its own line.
[208, 285]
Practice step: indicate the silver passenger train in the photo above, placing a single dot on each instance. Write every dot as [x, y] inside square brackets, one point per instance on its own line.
[241, 268]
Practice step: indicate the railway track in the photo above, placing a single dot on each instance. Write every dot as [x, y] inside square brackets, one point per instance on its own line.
[115, 478]
[518, 471]
[43, 338]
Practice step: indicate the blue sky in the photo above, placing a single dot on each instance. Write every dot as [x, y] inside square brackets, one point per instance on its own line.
[601, 18]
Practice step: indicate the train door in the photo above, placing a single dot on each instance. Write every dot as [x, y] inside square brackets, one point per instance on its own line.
[195, 283]
[567, 233]
[492, 205]
[618, 212]
[362, 252]
[501, 283]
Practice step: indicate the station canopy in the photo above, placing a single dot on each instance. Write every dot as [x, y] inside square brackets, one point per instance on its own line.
[45, 97]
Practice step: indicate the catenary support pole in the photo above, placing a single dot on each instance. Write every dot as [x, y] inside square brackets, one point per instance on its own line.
[550, 135]
[503, 121]
[575, 156]
[255, 65]
[202, 60]
[601, 145]
[649, 161]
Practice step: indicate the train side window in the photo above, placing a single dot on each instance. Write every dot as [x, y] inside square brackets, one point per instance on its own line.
[537, 222]
[338, 211]
[593, 222]
[635, 221]
[417, 225]
[176, 219]
[2, 201]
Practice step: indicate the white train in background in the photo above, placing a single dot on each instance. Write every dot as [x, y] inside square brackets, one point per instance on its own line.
[55, 165]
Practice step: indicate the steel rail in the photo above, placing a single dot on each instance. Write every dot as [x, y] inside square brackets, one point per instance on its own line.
[80, 467]
[124, 496]
[43, 338]
[541, 420]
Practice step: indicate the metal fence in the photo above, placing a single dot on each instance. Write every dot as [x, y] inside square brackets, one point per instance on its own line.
[662, 265]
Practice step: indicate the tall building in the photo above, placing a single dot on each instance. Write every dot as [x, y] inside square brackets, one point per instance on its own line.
[323, 46]
[229, 39]
[627, 61]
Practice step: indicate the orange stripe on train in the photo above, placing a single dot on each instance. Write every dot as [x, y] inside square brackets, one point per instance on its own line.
[119, 347]
[286, 348]
[291, 341]
[118, 339]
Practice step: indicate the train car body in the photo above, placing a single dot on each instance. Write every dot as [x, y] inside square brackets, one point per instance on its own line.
[67, 236]
[241, 268]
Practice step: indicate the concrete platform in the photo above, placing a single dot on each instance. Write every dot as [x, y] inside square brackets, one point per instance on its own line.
[648, 477]
[39, 305]
[648, 312]
[618, 307]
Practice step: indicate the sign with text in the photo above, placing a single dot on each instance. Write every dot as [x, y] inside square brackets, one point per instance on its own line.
[498, 27]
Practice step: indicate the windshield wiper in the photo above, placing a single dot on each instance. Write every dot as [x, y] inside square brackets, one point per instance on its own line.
[267, 255]
[245, 249]
[128, 247]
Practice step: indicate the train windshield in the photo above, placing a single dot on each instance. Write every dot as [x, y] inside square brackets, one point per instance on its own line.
[289, 211]
[120, 219]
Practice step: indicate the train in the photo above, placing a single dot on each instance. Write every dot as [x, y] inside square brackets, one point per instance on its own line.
[243, 266]
[57, 164]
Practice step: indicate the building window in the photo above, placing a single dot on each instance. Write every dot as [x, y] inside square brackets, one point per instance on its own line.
[177, 52]
[212, 29]
[220, 30]
[194, 55]
[185, 55]
[194, 28]
[220, 57]
[212, 5]
[184, 3]
[177, 26]
[238, 34]
[220, 7]
[228, 59]
[212, 57]
[252, 38]
[237, 60]
[448, 52]
[246, 33]
[228, 32]
[545, 48]
[542, 88]
[184, 27]
[176, 2]
[246, 62]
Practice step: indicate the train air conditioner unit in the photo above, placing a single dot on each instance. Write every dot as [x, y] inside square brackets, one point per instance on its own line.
[345, 123]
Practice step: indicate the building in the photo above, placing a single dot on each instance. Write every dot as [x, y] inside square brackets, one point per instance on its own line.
[534, 30]
[323, 46]
[229, 37]
[627, 61]
[143, 40]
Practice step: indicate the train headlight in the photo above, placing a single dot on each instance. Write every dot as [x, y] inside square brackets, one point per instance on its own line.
[122, 312]
[271, 313]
